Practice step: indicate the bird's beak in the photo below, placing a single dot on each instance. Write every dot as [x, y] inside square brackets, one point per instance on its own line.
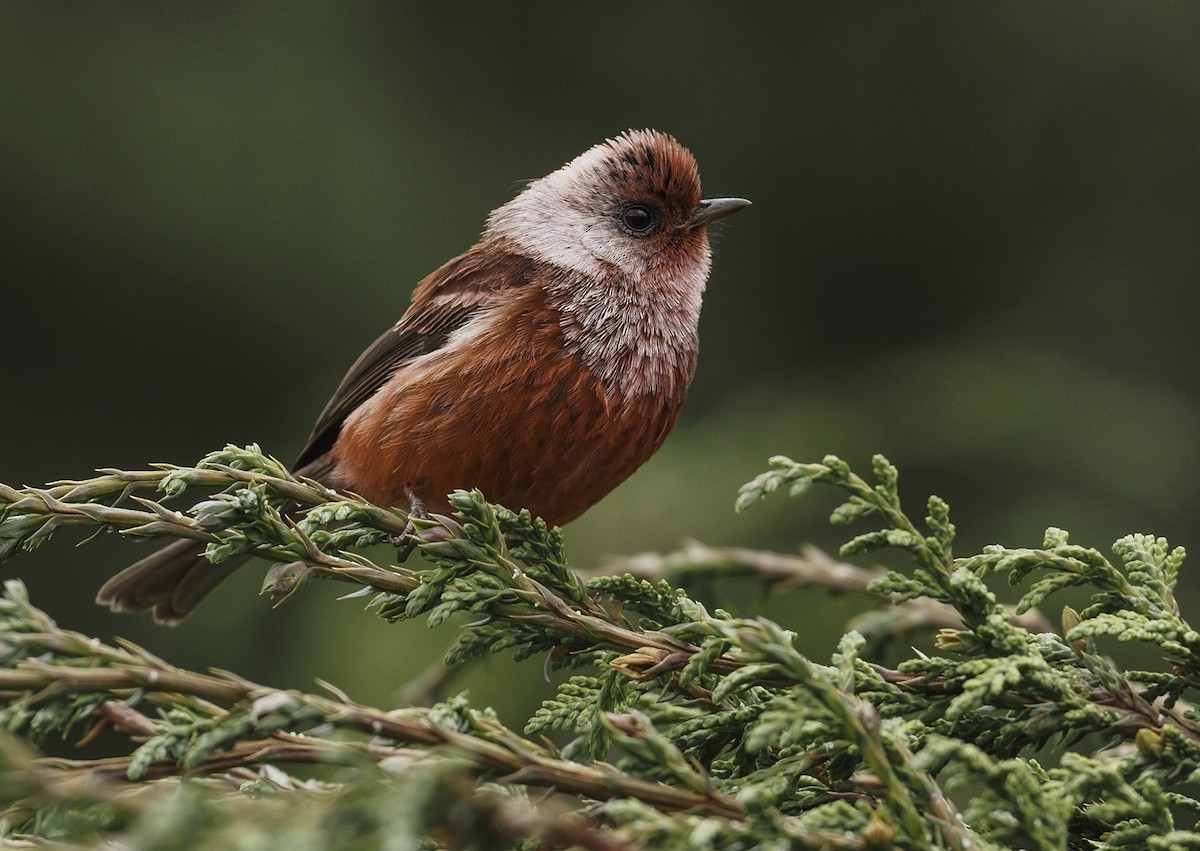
[708, 211]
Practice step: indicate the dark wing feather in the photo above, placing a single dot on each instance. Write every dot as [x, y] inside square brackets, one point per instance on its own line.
[442, 303]
[415, 335]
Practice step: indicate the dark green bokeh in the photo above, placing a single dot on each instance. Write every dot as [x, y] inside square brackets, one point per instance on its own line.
[975, 246]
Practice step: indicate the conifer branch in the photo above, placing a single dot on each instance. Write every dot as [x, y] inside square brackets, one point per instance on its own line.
[721, 727]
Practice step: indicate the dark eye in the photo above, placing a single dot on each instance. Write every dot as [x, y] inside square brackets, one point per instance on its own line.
[638, 220]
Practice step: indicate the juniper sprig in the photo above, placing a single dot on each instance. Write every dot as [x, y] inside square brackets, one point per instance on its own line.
[674, 724]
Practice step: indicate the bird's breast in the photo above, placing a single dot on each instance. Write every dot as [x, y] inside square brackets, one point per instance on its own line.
[525, 408]
[641, 341]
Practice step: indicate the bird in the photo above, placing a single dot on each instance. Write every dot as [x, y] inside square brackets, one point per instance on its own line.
[543, 366]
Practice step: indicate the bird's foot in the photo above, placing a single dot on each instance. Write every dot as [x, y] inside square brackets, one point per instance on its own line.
[407, 540]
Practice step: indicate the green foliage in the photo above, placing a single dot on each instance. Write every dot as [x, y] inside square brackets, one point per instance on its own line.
[679, 726]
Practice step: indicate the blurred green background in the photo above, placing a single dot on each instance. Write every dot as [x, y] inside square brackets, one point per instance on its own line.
[975, 247]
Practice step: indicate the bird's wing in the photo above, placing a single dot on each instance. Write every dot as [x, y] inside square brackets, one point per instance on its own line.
[442, 303]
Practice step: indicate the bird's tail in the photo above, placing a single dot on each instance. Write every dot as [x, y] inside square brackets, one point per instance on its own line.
[171, 581]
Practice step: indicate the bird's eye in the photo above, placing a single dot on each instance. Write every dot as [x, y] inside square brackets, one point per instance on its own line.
[638, 220]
